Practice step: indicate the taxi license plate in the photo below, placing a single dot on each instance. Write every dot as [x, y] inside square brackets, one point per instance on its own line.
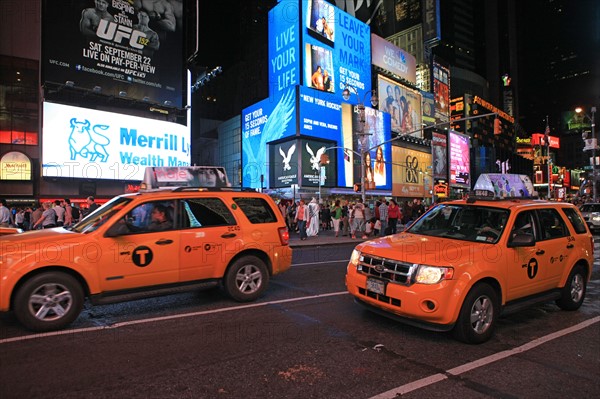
[376, 286]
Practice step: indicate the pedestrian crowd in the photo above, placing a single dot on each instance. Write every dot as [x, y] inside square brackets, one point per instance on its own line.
[349, 218]
[45, 215]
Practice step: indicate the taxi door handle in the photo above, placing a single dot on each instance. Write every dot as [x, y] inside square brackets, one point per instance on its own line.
[228, 235]
[164, 242]
[570, 245]
[540, 252]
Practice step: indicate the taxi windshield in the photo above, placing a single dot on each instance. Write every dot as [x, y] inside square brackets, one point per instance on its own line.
[463, 222]
[101, 215]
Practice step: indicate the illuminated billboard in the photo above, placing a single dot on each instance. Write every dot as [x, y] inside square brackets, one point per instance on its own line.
[391, 58]
[441, 91]
[284, 163]
[85, 143]
[284, 48]
[15, 165]
[337, 49]
[262, 123]
[440, 155]
[320, 114]
[403, 104]
[116, 46]
[410, 173]
[311, 169]
[460, 160]
[370, 140]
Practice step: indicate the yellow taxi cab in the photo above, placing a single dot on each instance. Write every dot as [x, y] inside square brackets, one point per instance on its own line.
[464, 262]
[144, 244]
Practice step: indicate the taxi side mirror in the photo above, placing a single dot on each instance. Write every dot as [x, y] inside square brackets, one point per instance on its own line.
[522, 240]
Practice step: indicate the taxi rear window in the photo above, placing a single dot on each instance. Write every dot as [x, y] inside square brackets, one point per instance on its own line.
[575, 220]
[257, 210]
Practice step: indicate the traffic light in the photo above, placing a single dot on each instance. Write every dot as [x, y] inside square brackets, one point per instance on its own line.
[497, 126]
[356, 187]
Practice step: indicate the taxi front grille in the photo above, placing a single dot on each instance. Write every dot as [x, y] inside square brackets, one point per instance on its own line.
[386, 269]
[380, 297]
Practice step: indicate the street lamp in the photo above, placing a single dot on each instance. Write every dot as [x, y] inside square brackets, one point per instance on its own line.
[361, 120]
[594, 143]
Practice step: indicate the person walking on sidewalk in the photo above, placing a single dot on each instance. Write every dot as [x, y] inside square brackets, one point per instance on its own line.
[301, 218]
[336, 216]
[393, 215]
[383, 217]
[359, 219]
[345, 223]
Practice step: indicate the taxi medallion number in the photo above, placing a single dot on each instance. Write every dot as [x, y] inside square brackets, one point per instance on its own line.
[376, 286]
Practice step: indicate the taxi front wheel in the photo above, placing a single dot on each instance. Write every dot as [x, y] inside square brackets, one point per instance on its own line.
[573, 293]
[477, 317]
[48, 301]
[246, 279]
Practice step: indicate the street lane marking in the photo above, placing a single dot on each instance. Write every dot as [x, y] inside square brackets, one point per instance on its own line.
[163, 318]
[432, 379]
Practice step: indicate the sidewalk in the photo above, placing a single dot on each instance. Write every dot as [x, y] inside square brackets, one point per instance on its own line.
[325, 237]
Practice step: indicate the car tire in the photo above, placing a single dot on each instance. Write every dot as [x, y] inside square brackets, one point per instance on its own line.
[573, 293]
[48, 301]
[478, 314]
[246, 279]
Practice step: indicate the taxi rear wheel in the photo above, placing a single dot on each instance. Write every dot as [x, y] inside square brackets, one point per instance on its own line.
[246, 279]
[48, 301]
[573, 293]
[477, 317]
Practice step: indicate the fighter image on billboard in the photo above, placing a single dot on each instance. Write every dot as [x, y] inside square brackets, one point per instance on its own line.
[132, 48]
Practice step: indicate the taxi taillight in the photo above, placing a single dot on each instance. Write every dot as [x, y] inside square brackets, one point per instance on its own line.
[284, 236]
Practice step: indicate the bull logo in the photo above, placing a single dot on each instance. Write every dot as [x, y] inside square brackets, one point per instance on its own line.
[87, 142]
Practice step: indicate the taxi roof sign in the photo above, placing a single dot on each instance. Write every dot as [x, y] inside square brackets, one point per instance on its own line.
[184, 176]
[505, 185]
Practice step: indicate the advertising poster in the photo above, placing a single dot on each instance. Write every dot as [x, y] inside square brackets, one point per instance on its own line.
[403, 104]
[136, 47]
[337, 50]
[391, 58]
[460, 161]
[284, 163]
[85, 143]
[284, 48]
[368, 138]
[440, 156]
[312, 170]
[441, 91]
[262, 123]
[428, 108]
[410, 173]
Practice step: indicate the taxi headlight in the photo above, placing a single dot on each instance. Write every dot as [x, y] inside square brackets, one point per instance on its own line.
[355, 258]
[433, 274]
[596, 217]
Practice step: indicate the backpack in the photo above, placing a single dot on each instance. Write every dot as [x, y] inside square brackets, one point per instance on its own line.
[75, 213]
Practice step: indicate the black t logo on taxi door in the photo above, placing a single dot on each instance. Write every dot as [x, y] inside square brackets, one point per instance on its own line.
[532, 268]
[142, 256]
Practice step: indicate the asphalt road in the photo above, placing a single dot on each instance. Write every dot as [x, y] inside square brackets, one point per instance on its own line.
[305, 339]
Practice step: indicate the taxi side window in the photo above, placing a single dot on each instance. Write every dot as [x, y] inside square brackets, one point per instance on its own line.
[205, 212]
[552, 225]
[524, 224]
[575, 220]
[257, 210]
[145, 218]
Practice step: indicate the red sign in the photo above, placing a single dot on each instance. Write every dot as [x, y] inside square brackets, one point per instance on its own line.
[538, 139]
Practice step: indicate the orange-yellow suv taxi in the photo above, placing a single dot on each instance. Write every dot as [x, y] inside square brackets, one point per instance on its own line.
[464, 262]
[144, 244]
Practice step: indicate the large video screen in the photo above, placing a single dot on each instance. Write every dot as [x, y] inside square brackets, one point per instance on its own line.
[262, 123]
[337, 50]
[460, 160]
[403, 104]
[370, 141]
[85, 143]
[410, 173]
[135, 47]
